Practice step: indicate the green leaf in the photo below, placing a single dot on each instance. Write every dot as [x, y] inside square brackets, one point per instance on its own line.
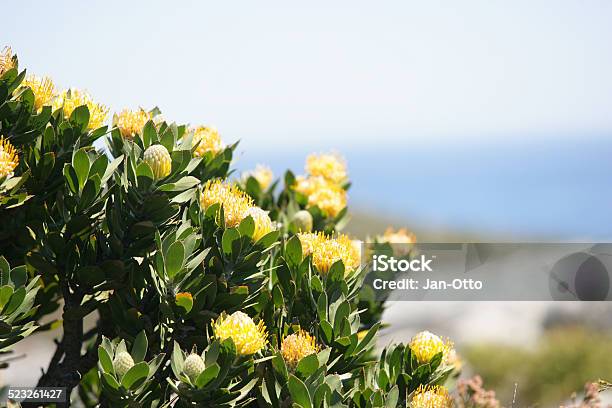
[175, 258]
[80, 116]
[80, 163]
[149, 134]
[278, 363]
[5, 269]
[71, 178]
[392, 398]
[19, 275]
[15, 301]
[135, 374]
[268, 239]
[105, 360]
[144, 170]
[307, 365]
[111, 381]
[181, 185]
[6, 292]
[139, 348]
[368, 339]
[247, 227]
[293, 252]
[207, 375]
[177, 360]
[229, 236]
[167, 140]
[184, 302]
[327, 331]
[322, 306]
[99, 166]
[299, 392]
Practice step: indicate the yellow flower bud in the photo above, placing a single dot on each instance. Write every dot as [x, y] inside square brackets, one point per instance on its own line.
[302, 221]
[158, 158]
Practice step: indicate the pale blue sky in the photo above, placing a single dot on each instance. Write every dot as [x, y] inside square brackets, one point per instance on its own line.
[323, 73]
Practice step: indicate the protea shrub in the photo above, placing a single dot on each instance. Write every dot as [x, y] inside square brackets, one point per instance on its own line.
[206, 290]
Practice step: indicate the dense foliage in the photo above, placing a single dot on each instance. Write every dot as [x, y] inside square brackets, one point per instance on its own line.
[207, 291]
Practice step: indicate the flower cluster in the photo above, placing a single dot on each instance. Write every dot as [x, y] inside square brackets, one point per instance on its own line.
[248, 337]
[8, 158]
[206, 139]
[323, 184]
[43, 89]
[70, 99]
[326, 251]
[296, 346]
[425, 345]
[130, 123]
[431, 397]
[237, 205]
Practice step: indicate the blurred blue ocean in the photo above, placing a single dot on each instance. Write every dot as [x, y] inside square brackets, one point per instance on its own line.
[557, 189]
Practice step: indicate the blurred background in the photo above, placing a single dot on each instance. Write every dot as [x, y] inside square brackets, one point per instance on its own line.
[472, 120]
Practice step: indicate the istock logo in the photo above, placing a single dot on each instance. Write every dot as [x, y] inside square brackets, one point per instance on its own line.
[383, 263]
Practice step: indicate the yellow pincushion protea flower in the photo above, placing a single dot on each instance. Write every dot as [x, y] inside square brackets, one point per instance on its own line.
[248, 337]
[331, 166]
[158, 158]
[43, 89]
[71, 99]
[431, 397]
[310, 241]
[8, 158]
[326, 251]
[235, 202]
[401, 240]
[425, 345]
[296, 346]
[401, 236]
[130, 123]
[207, 139]
[6, 60]
[263, 175]
[330, 200]
[328, 196]
[263, 223]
